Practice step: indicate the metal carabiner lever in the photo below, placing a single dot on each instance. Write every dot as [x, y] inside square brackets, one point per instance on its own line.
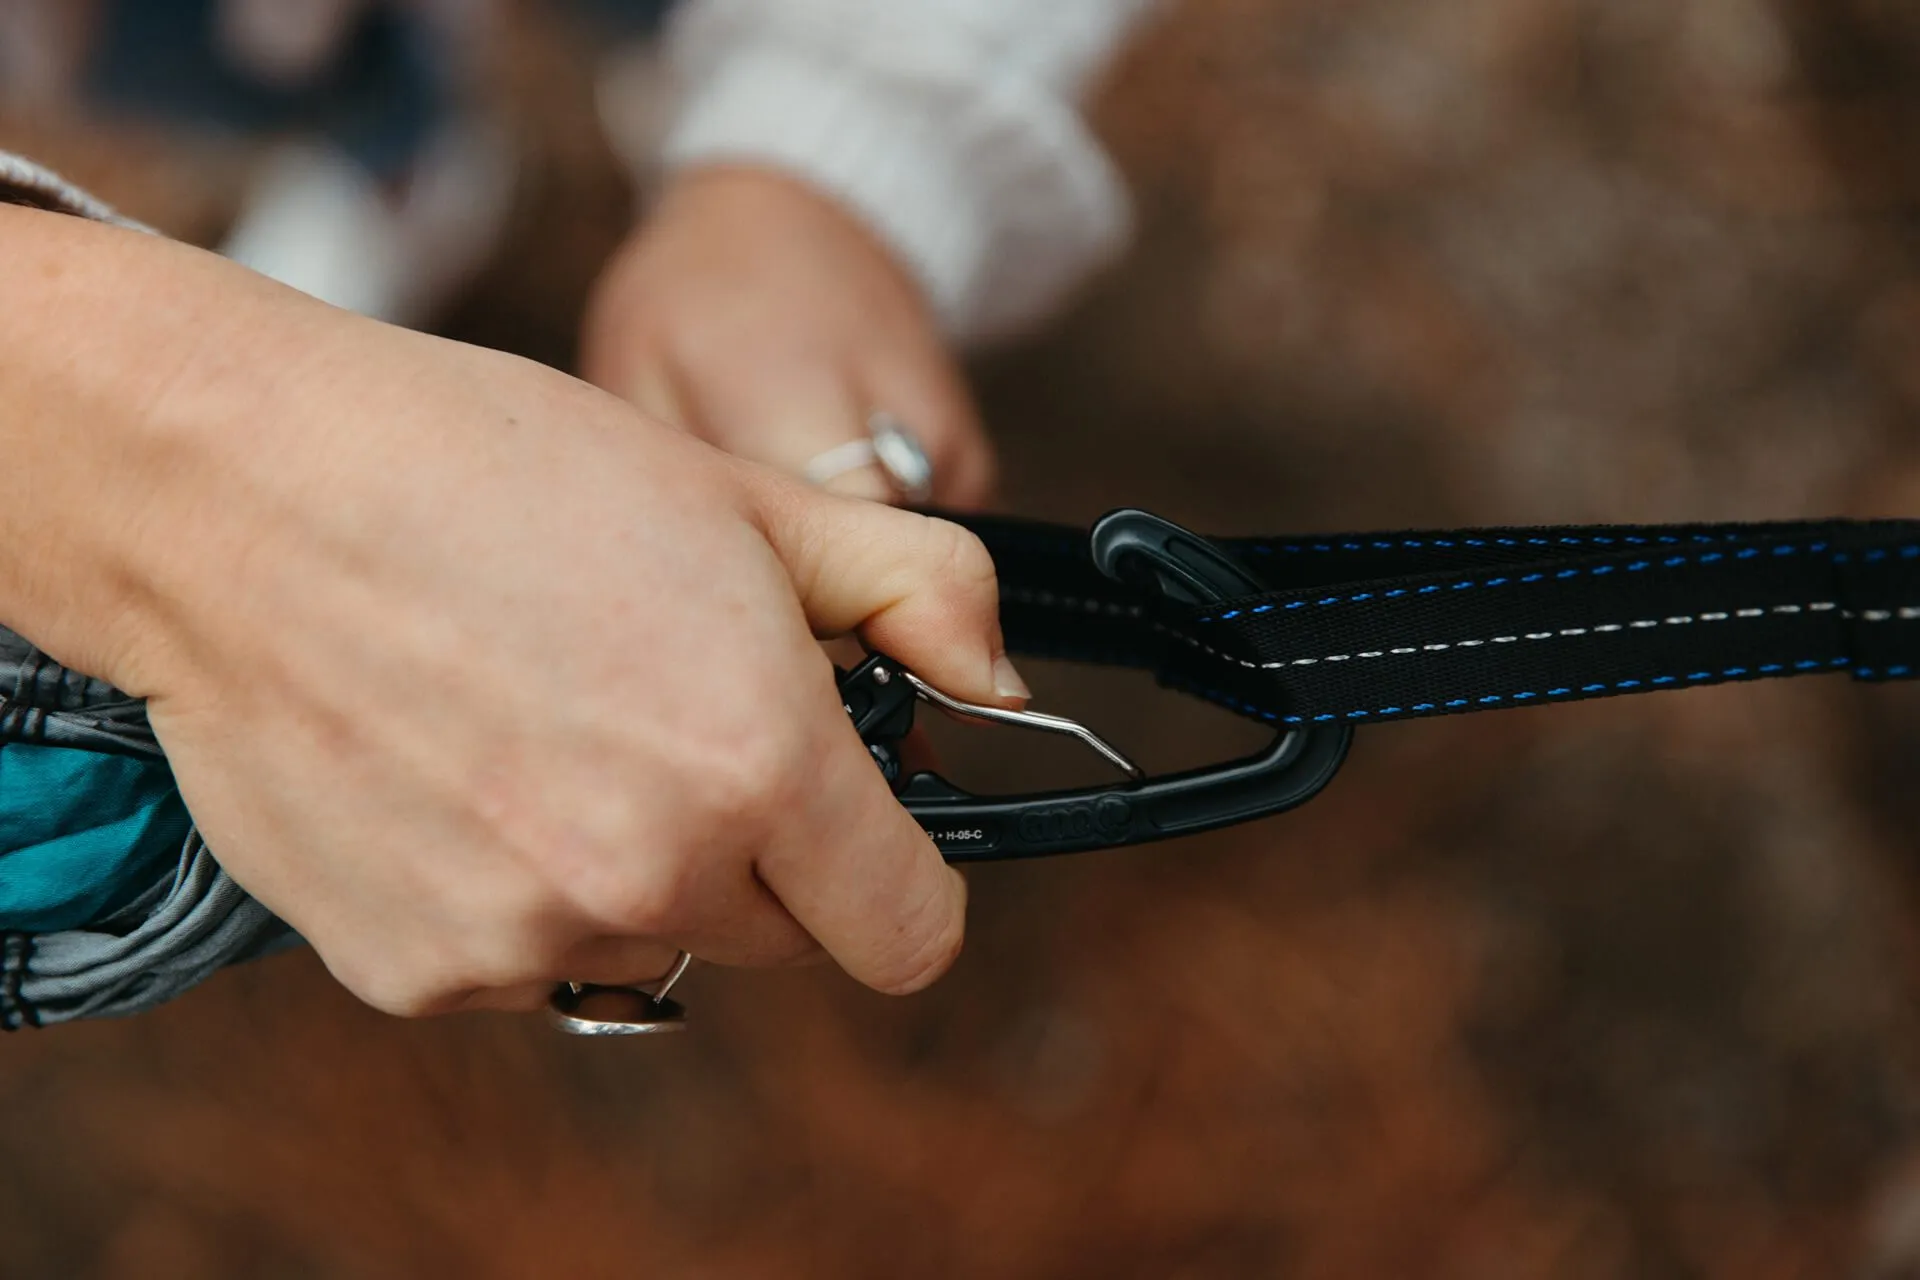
[886, 714]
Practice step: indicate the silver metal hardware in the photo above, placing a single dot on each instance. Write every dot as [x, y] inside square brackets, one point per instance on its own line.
[587, 1009]
[1025, 720]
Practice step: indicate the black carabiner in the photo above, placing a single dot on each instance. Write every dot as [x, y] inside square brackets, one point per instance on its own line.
[1161, 560]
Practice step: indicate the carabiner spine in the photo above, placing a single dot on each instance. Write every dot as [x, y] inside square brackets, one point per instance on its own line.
[972, 828]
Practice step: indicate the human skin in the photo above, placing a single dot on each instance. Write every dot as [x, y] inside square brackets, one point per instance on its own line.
[478, 677]
[766, 319]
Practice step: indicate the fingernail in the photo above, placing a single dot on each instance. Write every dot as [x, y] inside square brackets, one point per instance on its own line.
[1007, 682]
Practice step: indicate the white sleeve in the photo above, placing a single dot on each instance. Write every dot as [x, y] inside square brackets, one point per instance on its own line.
[950, 126]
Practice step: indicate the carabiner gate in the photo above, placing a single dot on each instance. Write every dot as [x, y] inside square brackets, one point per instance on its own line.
[1162, 560]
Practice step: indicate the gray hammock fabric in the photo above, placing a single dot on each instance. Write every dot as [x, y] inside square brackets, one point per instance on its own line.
[187, 925]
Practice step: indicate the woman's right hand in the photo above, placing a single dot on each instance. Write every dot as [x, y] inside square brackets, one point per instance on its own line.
[475, 676]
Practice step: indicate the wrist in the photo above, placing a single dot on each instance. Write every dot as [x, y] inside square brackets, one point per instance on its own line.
[112, 340]
[986, 185]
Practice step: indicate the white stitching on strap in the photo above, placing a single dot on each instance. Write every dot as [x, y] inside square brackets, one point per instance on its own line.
[1604, 628]
[1905, 613]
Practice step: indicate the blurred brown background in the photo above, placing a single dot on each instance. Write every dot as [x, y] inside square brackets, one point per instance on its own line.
[1620, 989]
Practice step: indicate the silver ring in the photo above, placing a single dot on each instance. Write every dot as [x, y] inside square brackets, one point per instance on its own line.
[587, 1009]
[890, 446]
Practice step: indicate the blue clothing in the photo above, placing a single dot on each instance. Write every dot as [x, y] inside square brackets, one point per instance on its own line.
[379, 98]
[81, 834]
[377, 101]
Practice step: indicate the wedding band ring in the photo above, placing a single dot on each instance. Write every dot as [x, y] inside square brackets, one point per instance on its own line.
[888, 445]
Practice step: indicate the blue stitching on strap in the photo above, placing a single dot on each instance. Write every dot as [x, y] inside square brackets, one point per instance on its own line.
[1744, 553]
[1563, 540]
[1494, 699]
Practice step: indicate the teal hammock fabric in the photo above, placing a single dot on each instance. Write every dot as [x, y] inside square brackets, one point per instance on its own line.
[81, 833]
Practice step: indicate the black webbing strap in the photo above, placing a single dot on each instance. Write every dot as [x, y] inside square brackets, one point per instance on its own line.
[1388, 626]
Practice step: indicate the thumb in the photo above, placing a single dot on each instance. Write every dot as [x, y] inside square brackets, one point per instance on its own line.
[921, 589]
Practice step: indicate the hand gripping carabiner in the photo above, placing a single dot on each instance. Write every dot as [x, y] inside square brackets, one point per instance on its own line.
[1162, 561]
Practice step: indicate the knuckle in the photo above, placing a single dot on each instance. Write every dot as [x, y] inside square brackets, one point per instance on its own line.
[617, 873]
[962, 557]
[441, 983]
[751, 775]
[645, 899]
[400, 994]
[925, 963]
[929, 943]
[730, 790]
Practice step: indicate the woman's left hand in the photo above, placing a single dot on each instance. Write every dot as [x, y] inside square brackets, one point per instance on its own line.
[759, 315]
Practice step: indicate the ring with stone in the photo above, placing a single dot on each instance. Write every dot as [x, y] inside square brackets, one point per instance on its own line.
[889, 445]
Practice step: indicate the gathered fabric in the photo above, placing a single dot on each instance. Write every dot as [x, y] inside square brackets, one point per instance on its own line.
[110, 902]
